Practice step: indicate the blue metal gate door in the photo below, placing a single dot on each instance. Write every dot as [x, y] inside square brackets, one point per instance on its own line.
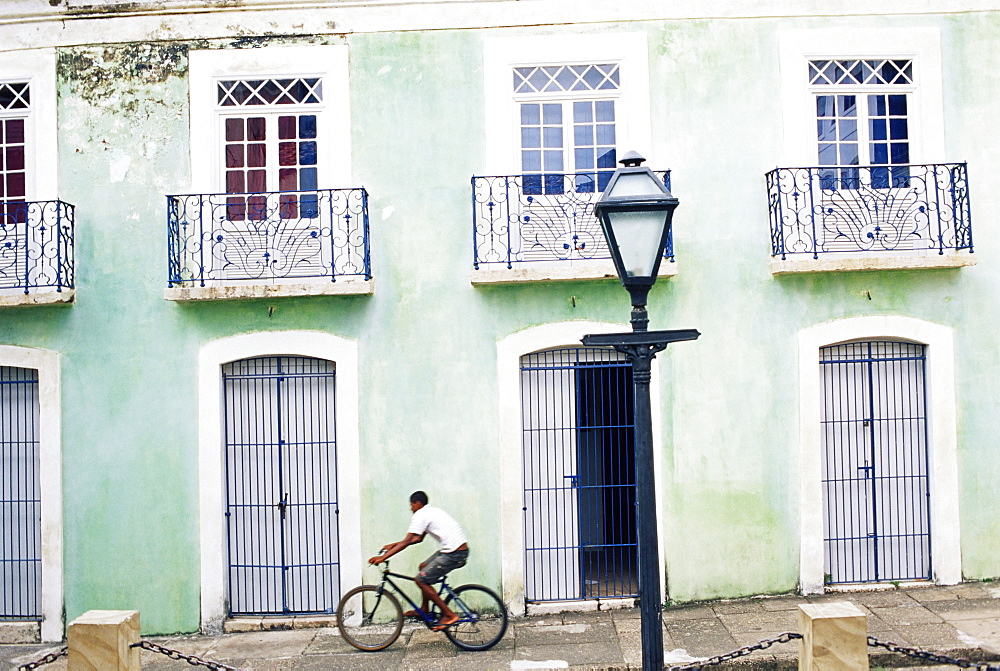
[876, 486]
[20, 498]
[281, 486]
[578, 451]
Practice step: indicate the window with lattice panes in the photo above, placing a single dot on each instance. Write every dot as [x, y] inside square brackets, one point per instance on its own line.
[567, 115]
[862, 119]
[15, 106]
[270, 144]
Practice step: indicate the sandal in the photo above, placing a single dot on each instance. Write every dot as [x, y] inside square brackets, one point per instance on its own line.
[442, 625]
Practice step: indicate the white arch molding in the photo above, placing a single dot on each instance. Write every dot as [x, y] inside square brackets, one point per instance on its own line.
[46, 363]
[946, 556]
[510, 349]
[344, 353]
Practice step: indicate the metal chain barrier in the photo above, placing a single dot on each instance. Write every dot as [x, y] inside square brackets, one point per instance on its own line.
[47, 659]
[739, 652]
[930, 656]
[176, 654]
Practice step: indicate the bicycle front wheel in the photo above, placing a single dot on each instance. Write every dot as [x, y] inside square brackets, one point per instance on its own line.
[482, 618]
[369, 618]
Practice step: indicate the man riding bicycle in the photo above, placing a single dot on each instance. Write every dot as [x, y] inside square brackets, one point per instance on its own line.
[453, 554]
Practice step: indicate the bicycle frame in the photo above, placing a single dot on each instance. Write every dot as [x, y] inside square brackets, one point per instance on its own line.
[459, 608]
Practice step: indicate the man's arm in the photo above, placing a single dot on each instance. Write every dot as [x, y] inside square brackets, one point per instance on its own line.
[393, 548]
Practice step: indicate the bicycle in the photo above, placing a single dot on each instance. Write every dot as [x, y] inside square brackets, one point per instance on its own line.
[370, 618]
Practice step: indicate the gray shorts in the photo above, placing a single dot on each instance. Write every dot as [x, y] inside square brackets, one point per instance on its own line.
[440, 564]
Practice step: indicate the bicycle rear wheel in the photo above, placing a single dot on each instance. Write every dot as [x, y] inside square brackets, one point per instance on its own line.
[482, 618]
[369, 618]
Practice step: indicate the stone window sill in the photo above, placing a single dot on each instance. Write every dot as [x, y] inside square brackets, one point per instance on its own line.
[347, 286]
[829, 263]
[17, 297]
[559, 271]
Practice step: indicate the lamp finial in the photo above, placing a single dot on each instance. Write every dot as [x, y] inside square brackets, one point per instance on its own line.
[632, 159]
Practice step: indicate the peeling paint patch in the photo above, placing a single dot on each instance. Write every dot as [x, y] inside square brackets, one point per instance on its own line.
[142, 63]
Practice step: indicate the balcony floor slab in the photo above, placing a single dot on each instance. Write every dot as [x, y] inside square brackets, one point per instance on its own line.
[827, 263]
[347, 286]
[19, 298]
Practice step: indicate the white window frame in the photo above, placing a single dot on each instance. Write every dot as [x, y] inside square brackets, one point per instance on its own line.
[502, 106]
[38, 68]
[922, 46]
[208, 67]
[502, 151]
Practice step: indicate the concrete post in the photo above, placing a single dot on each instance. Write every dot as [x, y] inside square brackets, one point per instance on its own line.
[834, 637]
[101, 640]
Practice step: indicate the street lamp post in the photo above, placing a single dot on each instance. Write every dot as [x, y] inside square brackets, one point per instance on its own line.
[636, 211]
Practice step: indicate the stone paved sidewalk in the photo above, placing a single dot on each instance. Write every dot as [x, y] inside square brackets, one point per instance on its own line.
[961, 621]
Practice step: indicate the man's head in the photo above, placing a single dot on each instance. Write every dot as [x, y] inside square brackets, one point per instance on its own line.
[418, 500]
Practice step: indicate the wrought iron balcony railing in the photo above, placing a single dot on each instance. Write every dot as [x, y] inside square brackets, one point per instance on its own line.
[526, 218]
[224, 239]
[36, 245]
[869, 209]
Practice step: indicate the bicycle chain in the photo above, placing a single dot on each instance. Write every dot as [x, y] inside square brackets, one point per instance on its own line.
[193, 660]
[930, 656]
[47, 659]
[739, 652]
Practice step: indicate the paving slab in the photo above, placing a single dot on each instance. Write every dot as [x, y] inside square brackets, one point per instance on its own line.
[567, 634]
[966, 609]
[263, 644]
[737, 607]
[701, 638]
[694, 612]
[780, 621]
[901, 616]
[885, 599]
[984, 634]
[579, 654]
[781, 603]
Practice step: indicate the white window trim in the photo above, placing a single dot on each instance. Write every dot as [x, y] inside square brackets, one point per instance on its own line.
[502, 54]
[926, 111]
[510, 349]
[50, 478]
[946, 556]
[38, 68]
[212, 532]
[503, 140]
[207, 67]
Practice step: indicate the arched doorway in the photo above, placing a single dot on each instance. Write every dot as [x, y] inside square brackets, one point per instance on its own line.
[281, 485]
[876, 479]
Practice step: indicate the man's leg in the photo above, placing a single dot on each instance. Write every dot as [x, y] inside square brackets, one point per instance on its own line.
[447, 614]
[423, 597]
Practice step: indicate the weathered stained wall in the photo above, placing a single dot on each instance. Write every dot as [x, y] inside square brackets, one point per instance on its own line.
[428, 338]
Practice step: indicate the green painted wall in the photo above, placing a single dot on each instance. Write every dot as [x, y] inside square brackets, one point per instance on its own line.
[428, 337]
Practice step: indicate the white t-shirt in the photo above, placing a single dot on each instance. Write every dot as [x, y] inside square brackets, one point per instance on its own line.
[440, 525]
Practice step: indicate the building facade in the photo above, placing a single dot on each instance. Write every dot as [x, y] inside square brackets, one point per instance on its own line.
[268, 267]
